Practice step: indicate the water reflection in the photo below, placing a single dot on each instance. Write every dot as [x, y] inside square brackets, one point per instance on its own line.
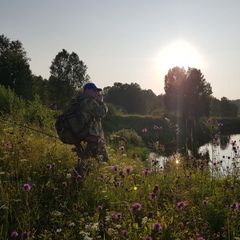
[224, 156]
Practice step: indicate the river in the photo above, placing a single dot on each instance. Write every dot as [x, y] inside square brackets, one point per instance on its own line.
[224, 155]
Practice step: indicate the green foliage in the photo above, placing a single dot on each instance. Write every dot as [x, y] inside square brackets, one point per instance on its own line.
[42, 196]
[131, 99]
[129, 141]
[127, 136]
[68, 75]
[10, 102]
[14, 67]
[39, 114]
[187, 92]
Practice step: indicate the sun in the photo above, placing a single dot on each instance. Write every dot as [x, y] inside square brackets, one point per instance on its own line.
[178, 54]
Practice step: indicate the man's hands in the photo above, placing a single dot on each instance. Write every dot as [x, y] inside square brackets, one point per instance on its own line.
[99, 97]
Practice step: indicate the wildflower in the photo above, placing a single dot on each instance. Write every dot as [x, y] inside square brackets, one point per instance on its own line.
[220, 124]
[95, 226]
[115, 167]
[157, 226]
[49, 166]
[144, 130]
[128, 169]
[121, 148]
[124, 232]
[135, 188]
[68, 176]
[26, 187]
[201, 166]
[235, 206]
[118, 215]
[14, 234]
[201, 238]
[205, 202]
[26, 235]
[136, 207]
[99, 208]
[188, 177]
[78, 176]
[181, 205]
[146, 172]
[79, 160]
[144, 220]
[152, 196]
[155, 127]
[148, 238]
[64, 184]
[117, 184]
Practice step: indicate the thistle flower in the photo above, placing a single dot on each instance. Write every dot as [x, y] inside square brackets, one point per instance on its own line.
[205, 202]
[128, 169]
[157, 226]
[146, 172]
[152, 196]
[148, 238]
[119, 215]
[14, 234]
[26, 235]
[49, 166]
[115, 167]
[181, 205]
[136, 207]
[121, 148]
[99, 208]
[26, 187]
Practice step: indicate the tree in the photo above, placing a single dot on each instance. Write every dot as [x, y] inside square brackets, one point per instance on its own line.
[14, 67]
[187, 92]
[228, 109]
[68, 75]
[40, 88]
[127, 97]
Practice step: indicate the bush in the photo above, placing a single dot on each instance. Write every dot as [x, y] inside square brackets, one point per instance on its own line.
[10, 102]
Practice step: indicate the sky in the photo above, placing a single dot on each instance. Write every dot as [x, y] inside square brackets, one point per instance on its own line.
[131, 41]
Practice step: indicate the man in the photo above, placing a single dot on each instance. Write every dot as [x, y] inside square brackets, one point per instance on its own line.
[93, 109]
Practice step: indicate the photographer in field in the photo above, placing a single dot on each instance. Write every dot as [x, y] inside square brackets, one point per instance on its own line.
[91, 109]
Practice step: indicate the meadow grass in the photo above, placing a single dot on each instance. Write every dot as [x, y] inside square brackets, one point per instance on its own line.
[42, 197]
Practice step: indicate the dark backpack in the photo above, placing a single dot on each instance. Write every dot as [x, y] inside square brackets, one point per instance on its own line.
[71, 127]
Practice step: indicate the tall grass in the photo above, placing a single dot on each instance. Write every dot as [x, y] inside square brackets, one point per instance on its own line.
[42, 197]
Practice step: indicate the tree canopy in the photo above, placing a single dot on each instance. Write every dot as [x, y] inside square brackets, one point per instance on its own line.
[131, 99]
[15, 71]
[68, 75]
[187, 92]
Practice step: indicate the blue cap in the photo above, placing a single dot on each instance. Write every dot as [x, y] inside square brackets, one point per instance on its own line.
[91, 86]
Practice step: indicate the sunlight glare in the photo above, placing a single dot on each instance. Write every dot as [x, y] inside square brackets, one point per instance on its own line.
[180, 54]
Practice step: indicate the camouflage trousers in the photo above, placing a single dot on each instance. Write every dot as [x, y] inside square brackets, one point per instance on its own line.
[92, 149]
